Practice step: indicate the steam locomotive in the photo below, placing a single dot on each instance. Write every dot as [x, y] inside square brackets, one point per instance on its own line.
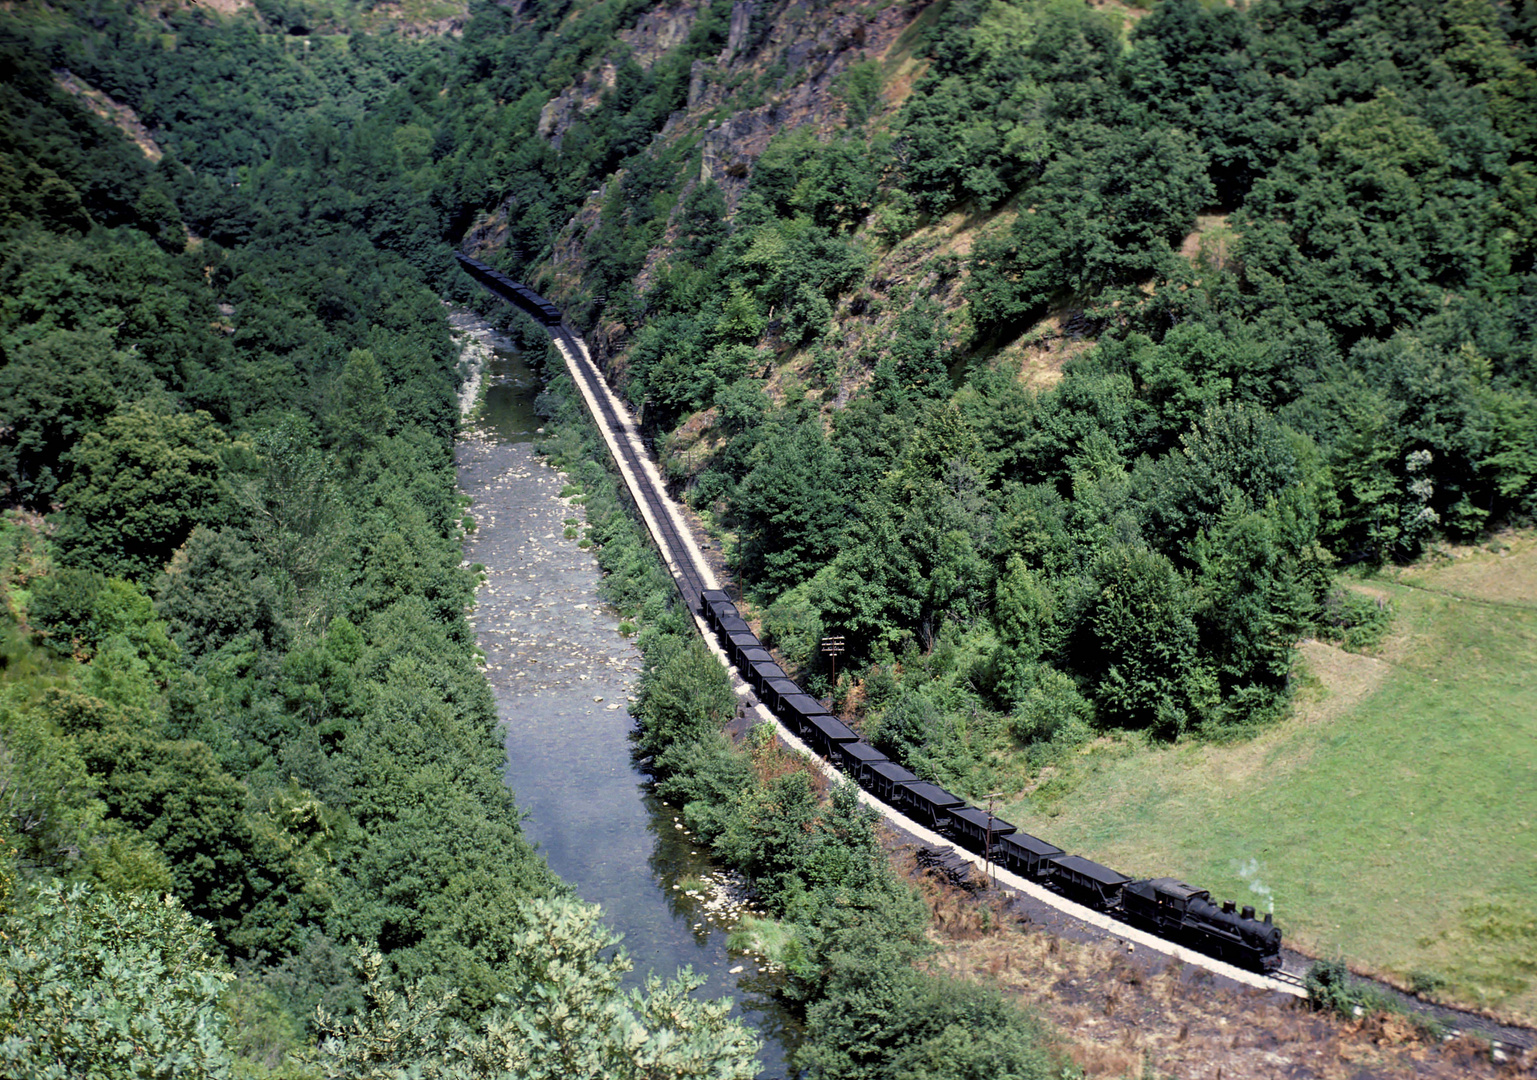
[1164, 906]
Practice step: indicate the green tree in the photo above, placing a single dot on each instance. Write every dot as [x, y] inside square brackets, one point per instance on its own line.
[566, 1015]
[51, 821]
[215, 591]
[684, 698]
[140, 486]
[1140, 645]
[52, 393]
[788, 505]
[1024, 613]
[115, 987]
[1232, 456]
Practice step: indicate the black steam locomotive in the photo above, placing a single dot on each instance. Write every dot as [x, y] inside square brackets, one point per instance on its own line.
[1163, 906]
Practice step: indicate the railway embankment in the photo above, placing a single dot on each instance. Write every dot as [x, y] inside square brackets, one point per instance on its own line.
[680, 552]
[1484, 1040]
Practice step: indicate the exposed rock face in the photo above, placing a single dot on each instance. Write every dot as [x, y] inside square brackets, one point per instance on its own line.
[696, 75]
[658, 32]
[776, 72]
[814, 48]
[741, 22]
[118, 115]
[570, 105]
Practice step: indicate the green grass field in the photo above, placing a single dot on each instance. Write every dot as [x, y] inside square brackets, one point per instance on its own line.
[1392, 817]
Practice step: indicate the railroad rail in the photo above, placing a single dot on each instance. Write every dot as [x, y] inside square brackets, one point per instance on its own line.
[628, 449]
[692, 576]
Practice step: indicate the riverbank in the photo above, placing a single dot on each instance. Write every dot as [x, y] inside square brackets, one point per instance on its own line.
[476, 339]
[562, 673]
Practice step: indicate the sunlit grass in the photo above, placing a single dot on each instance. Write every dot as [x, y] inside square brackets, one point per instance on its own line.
[775, 941]
[1391, 818]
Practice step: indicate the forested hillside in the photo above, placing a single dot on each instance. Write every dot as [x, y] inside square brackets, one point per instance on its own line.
[1060, 357]
[249, 763]
[1335, 370]
[1067, 361]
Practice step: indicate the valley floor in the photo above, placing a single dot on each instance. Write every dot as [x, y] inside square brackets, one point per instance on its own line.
[1391, 817]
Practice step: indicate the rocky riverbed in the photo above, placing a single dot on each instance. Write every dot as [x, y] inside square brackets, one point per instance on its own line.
[562, 675]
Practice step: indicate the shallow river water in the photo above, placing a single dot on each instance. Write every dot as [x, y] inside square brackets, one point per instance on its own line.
[562, 675]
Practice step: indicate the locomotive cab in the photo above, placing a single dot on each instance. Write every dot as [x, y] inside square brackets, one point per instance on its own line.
[1161, 903]
[1179, 912]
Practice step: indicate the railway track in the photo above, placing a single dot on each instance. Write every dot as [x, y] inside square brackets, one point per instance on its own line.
[691, 577]
[1289, 978]
[685, 565]
[627, 444]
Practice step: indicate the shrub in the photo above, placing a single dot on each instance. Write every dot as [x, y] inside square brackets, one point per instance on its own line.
[1353, 619]
[1330, 987]
[1052, 709]
[793, 625]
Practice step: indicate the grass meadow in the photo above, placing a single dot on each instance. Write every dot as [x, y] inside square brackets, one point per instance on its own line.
[1390, 818]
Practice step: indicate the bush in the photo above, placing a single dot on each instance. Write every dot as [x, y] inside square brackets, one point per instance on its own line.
[793, 625]
[908, 727]
[1353, 619]
[1052, 710]
[684, 698]
[1331, 988]
[110, 986]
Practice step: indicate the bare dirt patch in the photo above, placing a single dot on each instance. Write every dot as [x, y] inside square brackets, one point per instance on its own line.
[1345, 679]
[1132, 13]
[1038, 355]
[118, 115]
[1122, 1014]
[1506, 575]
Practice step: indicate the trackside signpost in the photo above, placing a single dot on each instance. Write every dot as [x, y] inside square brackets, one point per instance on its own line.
[831, 647]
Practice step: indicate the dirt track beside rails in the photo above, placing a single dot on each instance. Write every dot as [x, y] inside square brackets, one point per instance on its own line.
[1121, 1008]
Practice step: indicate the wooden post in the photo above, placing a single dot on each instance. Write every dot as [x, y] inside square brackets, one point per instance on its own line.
[832, 646]
[987, 849]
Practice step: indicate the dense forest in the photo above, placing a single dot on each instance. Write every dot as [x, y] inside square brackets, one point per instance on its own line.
[237, 673]
[1279, 262]
[1340, 375]
[1287, 252]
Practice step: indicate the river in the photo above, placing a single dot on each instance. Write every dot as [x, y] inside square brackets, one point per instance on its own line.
[562, 675]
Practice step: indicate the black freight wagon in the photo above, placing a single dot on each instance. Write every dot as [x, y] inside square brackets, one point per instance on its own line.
[886, 777]
[797, 710]
[1025, 855]
[1086, 881]
[855, 758]
[774, 691]
[750, 658]
[928, 804]
[824, 734]
[978, 829]
[762, 672]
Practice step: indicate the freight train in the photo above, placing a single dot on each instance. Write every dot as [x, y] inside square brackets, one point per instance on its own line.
[1164, 906]
[514, 291]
